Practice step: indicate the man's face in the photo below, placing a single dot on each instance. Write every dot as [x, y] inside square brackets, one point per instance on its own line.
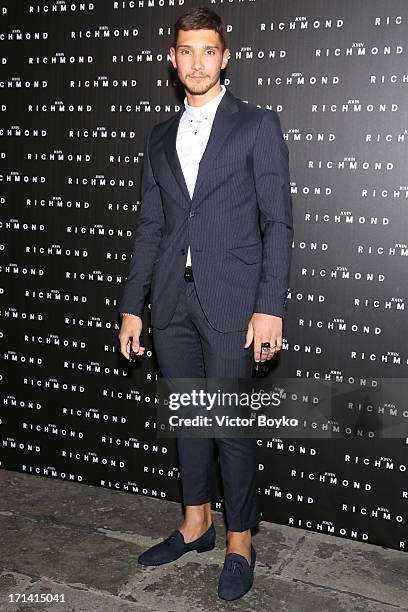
[198, 59]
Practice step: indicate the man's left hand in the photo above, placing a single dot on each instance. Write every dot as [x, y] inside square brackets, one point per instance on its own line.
[264, 328]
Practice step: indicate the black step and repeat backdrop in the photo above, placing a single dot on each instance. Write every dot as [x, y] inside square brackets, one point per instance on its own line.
[80, 85]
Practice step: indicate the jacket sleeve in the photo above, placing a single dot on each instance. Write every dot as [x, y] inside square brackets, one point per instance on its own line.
[272, 184]
[146, 242]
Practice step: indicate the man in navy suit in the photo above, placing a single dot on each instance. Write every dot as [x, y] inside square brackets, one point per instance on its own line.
[213, 247]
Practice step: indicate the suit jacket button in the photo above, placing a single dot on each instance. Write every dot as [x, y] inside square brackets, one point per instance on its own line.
[183, 252]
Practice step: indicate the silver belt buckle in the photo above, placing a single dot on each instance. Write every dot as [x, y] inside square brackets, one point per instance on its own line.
[188, 274]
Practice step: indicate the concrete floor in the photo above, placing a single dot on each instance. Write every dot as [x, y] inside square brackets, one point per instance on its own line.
[83, 541]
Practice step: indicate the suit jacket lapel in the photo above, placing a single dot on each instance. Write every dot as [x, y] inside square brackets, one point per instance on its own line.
[225, 119]
[173, 158]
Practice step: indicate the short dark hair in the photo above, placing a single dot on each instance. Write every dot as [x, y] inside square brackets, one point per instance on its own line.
[200, 18]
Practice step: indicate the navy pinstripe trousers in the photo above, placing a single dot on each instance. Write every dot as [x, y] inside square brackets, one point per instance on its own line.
[189, 347]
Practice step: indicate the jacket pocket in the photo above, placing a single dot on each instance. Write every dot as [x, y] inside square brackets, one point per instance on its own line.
[249, 254]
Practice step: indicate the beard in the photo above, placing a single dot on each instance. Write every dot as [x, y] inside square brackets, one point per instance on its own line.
[200, 87]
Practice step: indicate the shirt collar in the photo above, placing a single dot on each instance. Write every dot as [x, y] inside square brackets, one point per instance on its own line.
[206, 110]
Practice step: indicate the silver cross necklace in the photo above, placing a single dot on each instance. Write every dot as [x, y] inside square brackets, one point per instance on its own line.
[197, 121]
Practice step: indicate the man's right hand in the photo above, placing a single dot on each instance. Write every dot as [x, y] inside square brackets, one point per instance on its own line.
[131, 326]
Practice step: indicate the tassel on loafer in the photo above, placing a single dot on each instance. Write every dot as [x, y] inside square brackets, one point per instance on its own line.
[174, 546]
[237, 576]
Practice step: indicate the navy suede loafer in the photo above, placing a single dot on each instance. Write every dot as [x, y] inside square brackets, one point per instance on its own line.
[237, 575]
[174, 546]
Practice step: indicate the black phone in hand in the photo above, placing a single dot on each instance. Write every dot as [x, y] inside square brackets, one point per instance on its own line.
[132, 355]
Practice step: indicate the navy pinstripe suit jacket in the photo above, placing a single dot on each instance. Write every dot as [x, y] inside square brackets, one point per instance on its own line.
[238, 222]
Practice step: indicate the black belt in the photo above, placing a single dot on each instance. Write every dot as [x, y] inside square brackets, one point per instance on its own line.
[188, 274]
